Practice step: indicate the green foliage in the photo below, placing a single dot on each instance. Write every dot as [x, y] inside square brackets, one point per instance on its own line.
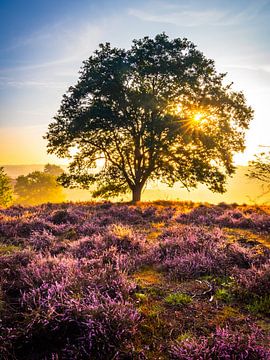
[141, 297]
[156, 292]
[38, 187]
[7, 249]
[156, 111]
[154, 311]
[6, 191]
[224, 295]
[185, 336]
[260, 305]
[178, 299]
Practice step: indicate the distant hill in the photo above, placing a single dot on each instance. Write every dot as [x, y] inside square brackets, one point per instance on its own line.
[240, 189]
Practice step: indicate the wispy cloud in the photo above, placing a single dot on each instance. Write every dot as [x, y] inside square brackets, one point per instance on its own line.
[36, 66]
[58, 45]
[31, 84]
[261, 68]
[190, 16]
[182, 16]
[52, 58]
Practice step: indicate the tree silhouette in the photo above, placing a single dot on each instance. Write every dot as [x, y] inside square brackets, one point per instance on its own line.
[157, 111]
[52, 169]
[36, 188]
[259, 168]
[6, 191]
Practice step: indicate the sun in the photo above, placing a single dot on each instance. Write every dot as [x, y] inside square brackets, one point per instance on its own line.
[198, 117]
[191, 119]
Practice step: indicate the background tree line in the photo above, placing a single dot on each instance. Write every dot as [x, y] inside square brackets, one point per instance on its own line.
[35, 188]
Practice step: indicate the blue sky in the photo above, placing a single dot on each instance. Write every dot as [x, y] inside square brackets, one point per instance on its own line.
[44, 42]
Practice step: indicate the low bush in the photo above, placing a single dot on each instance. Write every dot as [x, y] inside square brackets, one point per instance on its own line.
[224, 344]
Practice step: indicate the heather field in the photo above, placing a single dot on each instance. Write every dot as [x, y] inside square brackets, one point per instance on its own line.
[153, 281]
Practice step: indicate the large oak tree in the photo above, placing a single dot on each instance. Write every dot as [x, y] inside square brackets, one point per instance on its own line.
[159, 110]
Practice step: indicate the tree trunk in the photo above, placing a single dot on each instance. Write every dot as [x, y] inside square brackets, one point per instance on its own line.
[136, 193]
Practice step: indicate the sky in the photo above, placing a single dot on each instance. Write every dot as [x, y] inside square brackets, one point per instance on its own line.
[43, 44]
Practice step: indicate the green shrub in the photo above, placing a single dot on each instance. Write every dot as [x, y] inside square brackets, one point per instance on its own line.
[178, 299]
[260, 305]
[223, 295]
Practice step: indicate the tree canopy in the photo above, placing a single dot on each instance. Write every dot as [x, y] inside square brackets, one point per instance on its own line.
[38, 187]
[159, 110]
[6, 191]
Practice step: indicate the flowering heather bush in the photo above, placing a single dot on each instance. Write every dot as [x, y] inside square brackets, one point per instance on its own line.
[228, 217]
[124, 239]
[224, 344]
[62, 298]
[41, 241]
[191, 251]
[254, 281]
[177, 240]
[64, 216]
[239, 256]
[201, 215]
[122, 245]
[194, 265]
[10, 268]
[93, 326]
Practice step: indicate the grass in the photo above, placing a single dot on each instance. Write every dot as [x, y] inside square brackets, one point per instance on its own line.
[178, 299]
[224, 295]
[8, 249]
[260, 305]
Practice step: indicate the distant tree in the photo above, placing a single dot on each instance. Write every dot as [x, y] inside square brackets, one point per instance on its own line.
[259, 168]
[54, 170]
[6, 191]
[38, 187]
[157, 111]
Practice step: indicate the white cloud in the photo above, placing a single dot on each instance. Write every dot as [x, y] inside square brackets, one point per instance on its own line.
[186, 15]
[181, 17]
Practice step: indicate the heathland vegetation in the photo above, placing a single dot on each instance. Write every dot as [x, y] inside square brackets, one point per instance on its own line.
[151, 281]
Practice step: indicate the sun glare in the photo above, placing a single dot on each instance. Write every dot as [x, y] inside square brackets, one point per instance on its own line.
[191, 119]
[198, 117]
[178, 108]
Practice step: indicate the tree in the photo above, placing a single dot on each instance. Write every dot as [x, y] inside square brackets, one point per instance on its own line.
[54, 170]
[38, 187]
[6, 191]
[157, 111]
[259, 168]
